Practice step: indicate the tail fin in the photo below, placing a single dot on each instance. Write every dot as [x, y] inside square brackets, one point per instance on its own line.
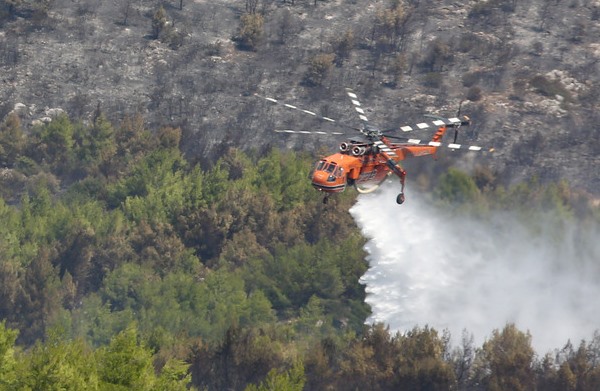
[454, 123]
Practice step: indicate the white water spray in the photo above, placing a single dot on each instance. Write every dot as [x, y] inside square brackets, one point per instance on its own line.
[456, 273]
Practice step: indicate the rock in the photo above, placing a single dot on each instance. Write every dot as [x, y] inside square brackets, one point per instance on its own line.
[19, 108]
[552, 107]
[53, 113]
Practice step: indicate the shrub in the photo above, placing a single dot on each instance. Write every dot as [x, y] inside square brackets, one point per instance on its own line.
[482, 9]
[251, 31]
[433, 80]
[159, 21]
[469, 79]
[474, 94]
[456, 187]
[548, 87]
[318, 69]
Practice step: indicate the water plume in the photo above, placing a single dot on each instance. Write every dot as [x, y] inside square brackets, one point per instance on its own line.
[453, 272]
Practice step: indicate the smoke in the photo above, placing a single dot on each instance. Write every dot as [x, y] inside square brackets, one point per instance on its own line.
[428, 267]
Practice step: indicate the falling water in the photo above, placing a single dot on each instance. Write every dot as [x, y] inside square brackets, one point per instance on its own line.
[450, 272]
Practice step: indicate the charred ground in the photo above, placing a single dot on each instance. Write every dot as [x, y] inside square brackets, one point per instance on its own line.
[526, 71]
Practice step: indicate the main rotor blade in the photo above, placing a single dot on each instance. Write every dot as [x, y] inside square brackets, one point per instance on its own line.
[307, 132]
[357, 105]
[435, 123]
[449, 145]
[404, 139]
[311, 113]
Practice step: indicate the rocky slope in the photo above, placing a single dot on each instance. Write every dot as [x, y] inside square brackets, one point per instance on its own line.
[527, 72]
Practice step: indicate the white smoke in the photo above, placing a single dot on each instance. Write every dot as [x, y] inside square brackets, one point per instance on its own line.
[452, 272]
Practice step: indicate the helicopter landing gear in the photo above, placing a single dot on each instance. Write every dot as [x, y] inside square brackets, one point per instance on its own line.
[400, 199]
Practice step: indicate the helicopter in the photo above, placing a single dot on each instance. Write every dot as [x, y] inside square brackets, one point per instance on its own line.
[366, 160]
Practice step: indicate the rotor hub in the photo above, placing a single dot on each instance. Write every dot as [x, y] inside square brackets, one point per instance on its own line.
[371, 131]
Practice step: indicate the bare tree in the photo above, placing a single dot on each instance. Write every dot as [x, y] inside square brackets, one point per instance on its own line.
[544, 12]
[159, 21]
[462, 359]
[10, 50]
[389, 28]
[251, 6]
[438, 54]
[343, 46]
[287, 25]
[126, 9]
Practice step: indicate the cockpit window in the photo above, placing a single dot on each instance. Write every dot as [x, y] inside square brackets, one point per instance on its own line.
[329, 167]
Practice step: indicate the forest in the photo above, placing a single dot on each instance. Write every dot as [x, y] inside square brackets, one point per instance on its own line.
[159, 237]
[126, 265]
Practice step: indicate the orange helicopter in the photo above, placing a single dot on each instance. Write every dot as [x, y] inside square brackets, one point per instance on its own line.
[367, 160]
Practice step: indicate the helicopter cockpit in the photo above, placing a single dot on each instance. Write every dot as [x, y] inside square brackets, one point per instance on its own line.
[331, 168]
[328, 176]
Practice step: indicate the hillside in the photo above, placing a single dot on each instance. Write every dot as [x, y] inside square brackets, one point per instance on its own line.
[526, 70]
[154, 236]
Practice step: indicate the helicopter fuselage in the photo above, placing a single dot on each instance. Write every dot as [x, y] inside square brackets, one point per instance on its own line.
[360, 165]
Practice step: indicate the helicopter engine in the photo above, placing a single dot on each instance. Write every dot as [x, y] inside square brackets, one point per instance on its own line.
[344, 147]
[358, 150]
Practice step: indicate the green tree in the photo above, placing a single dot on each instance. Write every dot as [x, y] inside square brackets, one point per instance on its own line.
[95, 321]
[422, 364]
[12, 253]
[271, 178]
[361, 367]
[96, 144]
[39, 298]
[126, 363]
[12, 140]
[8, 375]
[241, 357]
[579, 369]
[157, 246]
[133, 142]
[456, 187]
[311, 318]
[505, 362]
[174, 376]
[293, 276]
[56, 143]
[291, 380]
[241, 248]
[566, 379]
[59, 365]
[153, 187]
